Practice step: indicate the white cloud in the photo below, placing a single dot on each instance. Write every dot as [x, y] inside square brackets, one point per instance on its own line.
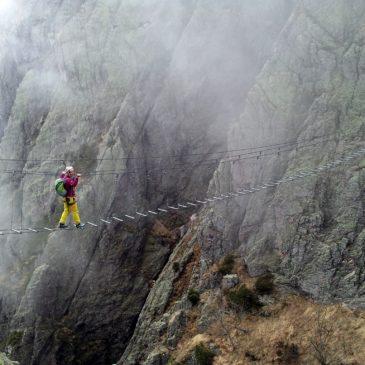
[9, 12]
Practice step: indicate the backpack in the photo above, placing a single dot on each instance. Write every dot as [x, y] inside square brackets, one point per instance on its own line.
[60, 187]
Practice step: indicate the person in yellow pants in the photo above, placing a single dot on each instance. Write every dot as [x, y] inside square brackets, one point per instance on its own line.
[70, 181]
[70, 206]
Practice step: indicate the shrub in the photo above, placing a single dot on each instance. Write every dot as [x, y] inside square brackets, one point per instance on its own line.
[193, 296]
[227, 265]
[251, 356]
[86, 157]
[243, 298]
[203, 355]
[287, 353]
[15, 338]
[176, 266]
[265, 284]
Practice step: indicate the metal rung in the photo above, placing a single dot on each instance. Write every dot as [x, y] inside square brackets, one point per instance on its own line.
[150, 211]
[105, 221]
[118, 219]
[217, 198]
[129, 216]
[31, 229]
[47, 229]
[141, 214]
[92, 224]
[16, 230]
[225, 196]
[210, 200]
[182, 206]
[162, 210]
[201, 202]
[192, 204]
[172, 207]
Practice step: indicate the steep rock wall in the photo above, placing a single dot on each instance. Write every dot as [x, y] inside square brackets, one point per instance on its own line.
[309, 232]
[110, 80]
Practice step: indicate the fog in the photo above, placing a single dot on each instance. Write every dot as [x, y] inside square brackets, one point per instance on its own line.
[93, 82]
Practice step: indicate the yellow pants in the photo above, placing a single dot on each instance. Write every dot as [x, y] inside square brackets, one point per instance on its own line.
[70, 206]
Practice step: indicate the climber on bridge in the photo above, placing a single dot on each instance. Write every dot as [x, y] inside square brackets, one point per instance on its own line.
[70, 180]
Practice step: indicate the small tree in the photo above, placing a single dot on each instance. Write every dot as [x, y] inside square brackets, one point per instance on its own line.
[265, 284]
[193, 296]
[203, 355]
[176, 266]
[287, 353]
[323, 333]
[227, 265]
[243, 299]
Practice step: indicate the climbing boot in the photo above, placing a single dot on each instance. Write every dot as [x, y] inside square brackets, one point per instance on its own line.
[63, 226]
[80, 225]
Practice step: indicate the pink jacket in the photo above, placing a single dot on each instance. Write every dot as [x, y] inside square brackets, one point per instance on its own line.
[70, 184]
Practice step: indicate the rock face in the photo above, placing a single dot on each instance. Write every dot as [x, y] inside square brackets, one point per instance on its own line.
[309, 232]
[107, 86]
[229, 281]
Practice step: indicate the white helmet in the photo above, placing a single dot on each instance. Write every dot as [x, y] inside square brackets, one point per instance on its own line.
[69, 169]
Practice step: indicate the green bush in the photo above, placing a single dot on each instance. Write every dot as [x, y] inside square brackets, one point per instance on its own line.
[243, 298]
[251, 356]
[287, 353]
[193, 296]
[203, 355]
[176, 266]
[86, 158]
[227, 265]
[14, 339]
[265, 284]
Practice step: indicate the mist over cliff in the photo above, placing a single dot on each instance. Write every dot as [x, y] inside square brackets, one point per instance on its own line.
[158, 103]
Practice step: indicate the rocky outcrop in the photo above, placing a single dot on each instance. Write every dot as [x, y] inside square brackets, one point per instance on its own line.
[309, 233]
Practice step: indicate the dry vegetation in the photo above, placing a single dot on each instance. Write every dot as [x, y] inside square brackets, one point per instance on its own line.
[294, 323]
[290, 330]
